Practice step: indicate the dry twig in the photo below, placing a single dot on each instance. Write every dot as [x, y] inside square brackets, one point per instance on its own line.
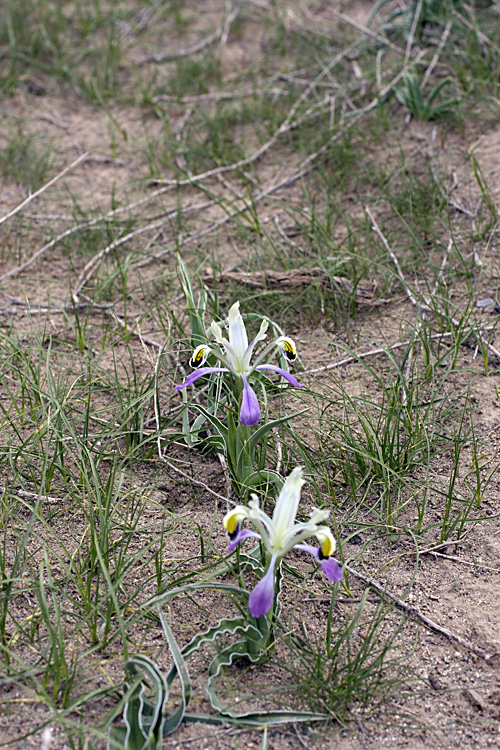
[32, 495]
[468, 25]
[41, 190]
[214, 96]
[288, 124]
[82, 227]
[90, 268]
[365, 30]
[198, 482]
[423, 306]
[385, 350]
[434, 60]
[413, 29]
[415, 614]
[219, 35]
[293, 279]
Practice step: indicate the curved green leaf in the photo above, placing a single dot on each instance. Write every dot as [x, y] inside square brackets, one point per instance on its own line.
[254, 439]
[266, 476]
[173, 721]
[228, 588]
[143, 720]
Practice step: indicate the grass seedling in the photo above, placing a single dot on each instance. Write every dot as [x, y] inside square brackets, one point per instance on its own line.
[357, 663]
[60, 667]
[430, 107]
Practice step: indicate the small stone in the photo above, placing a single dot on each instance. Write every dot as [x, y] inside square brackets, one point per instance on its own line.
[475, 699]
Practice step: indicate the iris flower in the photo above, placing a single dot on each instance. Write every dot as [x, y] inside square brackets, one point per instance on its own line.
[235, 354]
[279, 535]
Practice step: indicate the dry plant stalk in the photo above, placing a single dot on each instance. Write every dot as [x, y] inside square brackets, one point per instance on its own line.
[422, 306]
[417, 615]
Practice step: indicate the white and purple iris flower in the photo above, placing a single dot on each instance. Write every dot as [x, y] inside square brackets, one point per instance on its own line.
[279, 535]
[235, 355]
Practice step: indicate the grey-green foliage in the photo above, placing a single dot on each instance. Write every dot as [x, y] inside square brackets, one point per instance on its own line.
[145, 713]
[429, 107]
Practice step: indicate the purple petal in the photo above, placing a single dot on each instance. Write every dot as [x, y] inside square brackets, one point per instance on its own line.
[239, 536]
[261, 598]
[314, 551]
[284, 374]
[331, 569]
[250, 410]
[193, 376]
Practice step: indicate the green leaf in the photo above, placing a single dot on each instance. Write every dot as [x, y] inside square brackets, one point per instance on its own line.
[281, 717]
[250, 718]
[213, 444]
[232, 441]
[173, 721]
[216, 423]
[255, 718]
[195, 312]
[257, 436]
[266, 476]
[226, 626]
[228, 588]
[143, 719]
[435, 91]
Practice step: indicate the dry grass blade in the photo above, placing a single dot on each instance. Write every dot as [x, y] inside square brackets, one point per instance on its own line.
[295, 278]
[365, 30]
[37, 193]
[423, 306]
[219, 35]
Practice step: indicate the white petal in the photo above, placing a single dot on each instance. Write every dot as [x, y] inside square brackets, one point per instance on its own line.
[260, 337]
[287, 345]
[326, 541]
[237, 332]
[199, 356]
[229, 359]
[288, 503]
[318, 516]
[217, 333]
[262, 523]
[298, 533]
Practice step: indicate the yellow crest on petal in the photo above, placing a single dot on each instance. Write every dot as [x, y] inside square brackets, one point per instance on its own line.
[234, 518]
[199, 356]
[326, 541]
[288, 347]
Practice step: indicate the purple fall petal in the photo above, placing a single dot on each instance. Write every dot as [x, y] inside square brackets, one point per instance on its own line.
[250, 410]
[284, 374]
[314, 551]
[239, 536]
[193, 376]
[261, 598]
[331, 569]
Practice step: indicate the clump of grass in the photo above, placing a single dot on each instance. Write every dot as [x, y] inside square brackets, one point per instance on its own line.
[24, 157]
[357, 664]
[432, 106]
